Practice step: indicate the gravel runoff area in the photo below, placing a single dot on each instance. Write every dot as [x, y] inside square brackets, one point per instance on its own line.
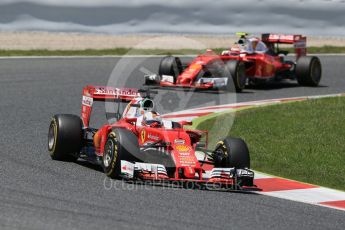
[81, 41]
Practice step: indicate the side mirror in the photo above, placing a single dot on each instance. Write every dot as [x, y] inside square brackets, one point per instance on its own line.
[131, 119]
[186, 123]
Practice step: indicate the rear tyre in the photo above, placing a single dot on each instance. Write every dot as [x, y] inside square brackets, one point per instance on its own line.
[308, 71]
[236, 74]
[65, 137]
[121, 144]
[231, 152]
[170, 66]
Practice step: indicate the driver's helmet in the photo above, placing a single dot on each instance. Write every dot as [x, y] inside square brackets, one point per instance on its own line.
[145, 105]
[242, 40]
[152, 119]
[254, 42]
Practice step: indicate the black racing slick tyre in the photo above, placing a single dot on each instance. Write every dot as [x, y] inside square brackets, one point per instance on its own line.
[231, 152]
[65, 137]
[121, 144]
[308, 71]
[236, 74]
[171, 66]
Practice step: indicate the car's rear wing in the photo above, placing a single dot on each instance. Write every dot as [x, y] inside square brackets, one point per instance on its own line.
[299, 42]
[104, 93]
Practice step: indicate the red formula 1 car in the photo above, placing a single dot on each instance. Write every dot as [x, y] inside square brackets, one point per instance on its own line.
[141, 145]
[241, 65]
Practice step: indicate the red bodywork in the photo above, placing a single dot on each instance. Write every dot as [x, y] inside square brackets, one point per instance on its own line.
[258, 65]
[181, 142]
[188, 76]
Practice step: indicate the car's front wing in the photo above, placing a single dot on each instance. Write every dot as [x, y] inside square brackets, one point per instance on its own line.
[217, 178]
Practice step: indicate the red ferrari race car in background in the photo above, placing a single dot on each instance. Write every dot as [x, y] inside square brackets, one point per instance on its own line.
[142, 146]
[243, 64]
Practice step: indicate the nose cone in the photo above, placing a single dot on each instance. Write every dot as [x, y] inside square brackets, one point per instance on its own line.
[184, 81]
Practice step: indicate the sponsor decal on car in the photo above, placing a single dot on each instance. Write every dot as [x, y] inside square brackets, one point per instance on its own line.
[168, 78]
[153, 137]
[182, 148]
[281, 37]
[179, 141]
[127, 169]
[87, 101]
[187, 160]
[116, 91]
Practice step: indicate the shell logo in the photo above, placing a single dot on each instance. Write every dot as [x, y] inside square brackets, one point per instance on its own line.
[182, 148]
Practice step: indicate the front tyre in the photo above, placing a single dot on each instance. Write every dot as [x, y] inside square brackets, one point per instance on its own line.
[171, 66]
[308, 71]
[231, 152]
[237, 74]
[65, 137]
[121, 144]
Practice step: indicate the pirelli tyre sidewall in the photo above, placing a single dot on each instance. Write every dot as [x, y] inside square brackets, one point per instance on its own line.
[236, 75]
[65, 137]
[308, 71]
[233, 153]
[121, 144]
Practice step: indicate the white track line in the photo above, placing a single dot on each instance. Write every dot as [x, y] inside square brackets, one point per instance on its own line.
[310, 195]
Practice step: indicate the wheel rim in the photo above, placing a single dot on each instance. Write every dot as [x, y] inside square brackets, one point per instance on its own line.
[108, 153]
[51, 136]
[220, 150]
[220, 155]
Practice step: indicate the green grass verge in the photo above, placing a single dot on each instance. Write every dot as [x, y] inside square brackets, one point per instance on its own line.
[299, 140]
[326, 49]
[123, 51]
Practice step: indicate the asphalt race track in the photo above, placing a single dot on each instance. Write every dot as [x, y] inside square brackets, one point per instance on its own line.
[38, 193]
